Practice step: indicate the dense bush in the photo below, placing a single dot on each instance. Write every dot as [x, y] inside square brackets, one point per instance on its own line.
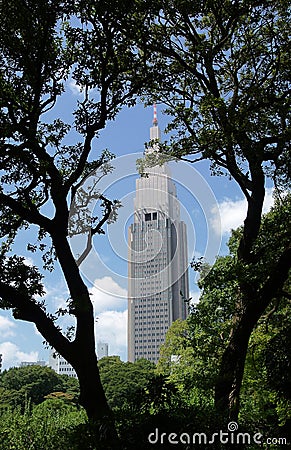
[50, 426]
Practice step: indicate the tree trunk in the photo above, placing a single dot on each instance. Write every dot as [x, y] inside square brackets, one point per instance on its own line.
[92, 398]
[83, 354]
[227, 389]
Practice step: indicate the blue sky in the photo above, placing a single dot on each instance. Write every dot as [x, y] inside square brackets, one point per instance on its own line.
[211, 206]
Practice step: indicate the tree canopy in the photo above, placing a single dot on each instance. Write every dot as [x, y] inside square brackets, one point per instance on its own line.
[44, 160]
[124, 382]
[20, 385]
[222, 70]
[199, 342]
[224, 76]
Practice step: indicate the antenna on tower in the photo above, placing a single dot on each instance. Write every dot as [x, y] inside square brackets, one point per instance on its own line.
[155, 121]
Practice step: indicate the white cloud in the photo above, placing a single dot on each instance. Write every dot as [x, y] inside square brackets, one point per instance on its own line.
[6, 327]
[75, 88]
[111, 327]
[233, 213]
[110, 302]
[269, 200]
[106, 294]
[13, 356]
[195, 296]
[28, 261]
[56, 296]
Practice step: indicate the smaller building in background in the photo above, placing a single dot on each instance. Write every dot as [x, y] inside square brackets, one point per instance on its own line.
[60, 365]
[33, 363]
[102, 350]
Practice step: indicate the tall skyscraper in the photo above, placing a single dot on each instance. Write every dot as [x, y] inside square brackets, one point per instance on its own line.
[157, 260]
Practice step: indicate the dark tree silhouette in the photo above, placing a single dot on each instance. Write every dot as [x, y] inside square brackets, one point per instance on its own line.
[44, 45]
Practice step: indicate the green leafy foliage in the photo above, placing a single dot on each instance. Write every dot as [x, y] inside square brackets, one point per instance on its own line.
[224, 77]
[52, 425]
[33, 383]
[278, 361]
[266, 385]
[223, 72]
[124, 382]
[46, 160]
[192, 353]
[17, 273]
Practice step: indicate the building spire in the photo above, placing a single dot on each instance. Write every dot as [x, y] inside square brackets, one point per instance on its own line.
[155, 130]
[155, 121]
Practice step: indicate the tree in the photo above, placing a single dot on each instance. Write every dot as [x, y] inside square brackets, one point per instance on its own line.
[199, 342]
[265, 401]
[30, 383]
[278, 362]
[124, 381]
[193, 348]
[44, 45]
[221, 289]
[177, 359]
[225, 78]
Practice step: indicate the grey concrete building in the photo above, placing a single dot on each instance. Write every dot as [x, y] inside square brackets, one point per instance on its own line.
[157, 260]
[102, 349]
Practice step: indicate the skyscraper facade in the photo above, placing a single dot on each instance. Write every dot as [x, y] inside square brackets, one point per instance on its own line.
[157, 260]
